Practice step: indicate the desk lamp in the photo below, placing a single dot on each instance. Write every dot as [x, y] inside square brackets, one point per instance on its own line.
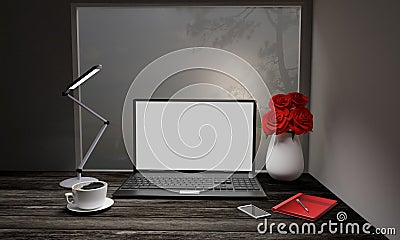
[67, 183]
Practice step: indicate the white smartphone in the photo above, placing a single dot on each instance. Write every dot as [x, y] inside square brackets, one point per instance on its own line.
[253, 211]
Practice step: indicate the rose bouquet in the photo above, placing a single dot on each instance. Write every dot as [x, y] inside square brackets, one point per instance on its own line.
[289, 114]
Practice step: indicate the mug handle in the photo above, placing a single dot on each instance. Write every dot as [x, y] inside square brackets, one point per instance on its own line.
[67, 195]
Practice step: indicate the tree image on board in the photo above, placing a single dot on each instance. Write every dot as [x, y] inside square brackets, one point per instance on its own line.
[277, 57]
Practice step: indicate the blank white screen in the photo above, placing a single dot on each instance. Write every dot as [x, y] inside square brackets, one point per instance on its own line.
[180, 135]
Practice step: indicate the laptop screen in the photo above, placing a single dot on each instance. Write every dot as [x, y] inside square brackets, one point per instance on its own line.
[199, 135]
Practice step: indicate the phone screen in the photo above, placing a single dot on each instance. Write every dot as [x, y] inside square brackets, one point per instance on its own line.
[253, 211]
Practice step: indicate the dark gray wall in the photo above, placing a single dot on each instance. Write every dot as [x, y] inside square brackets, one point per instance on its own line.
[354, 149]
[37, 128]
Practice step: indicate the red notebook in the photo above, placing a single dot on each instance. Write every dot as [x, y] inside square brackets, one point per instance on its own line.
[316, 206]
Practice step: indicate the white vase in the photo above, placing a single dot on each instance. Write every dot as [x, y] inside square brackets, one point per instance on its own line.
[284, 159]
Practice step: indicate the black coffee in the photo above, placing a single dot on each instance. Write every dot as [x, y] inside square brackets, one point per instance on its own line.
[93, 185]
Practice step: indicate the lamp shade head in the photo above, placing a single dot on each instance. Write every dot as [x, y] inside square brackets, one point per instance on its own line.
[88, 74]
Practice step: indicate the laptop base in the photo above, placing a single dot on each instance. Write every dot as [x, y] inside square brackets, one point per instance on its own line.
[154, 185]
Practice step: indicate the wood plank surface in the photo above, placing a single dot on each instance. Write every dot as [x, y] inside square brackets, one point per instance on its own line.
[32, 206]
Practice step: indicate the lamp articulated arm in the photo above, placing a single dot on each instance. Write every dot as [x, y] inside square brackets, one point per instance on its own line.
[86, 107]
[96, 139]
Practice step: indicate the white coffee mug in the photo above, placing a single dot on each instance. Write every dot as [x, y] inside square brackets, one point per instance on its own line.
[85, 198]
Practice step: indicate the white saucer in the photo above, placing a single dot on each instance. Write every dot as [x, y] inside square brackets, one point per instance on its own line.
[107, 203]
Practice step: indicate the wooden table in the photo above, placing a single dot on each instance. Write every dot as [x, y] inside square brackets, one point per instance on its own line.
[32, 206]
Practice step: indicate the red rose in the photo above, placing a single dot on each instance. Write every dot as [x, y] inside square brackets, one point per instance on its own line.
[298, 99]
[280, 101]
[301, 120]
[276, 121]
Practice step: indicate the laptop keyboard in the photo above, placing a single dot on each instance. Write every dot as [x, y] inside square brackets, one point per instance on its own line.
[191, 183]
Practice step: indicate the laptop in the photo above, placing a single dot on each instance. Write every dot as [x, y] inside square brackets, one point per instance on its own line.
[193, 148]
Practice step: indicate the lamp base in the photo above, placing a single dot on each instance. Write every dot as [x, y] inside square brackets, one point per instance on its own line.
[68, 183]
